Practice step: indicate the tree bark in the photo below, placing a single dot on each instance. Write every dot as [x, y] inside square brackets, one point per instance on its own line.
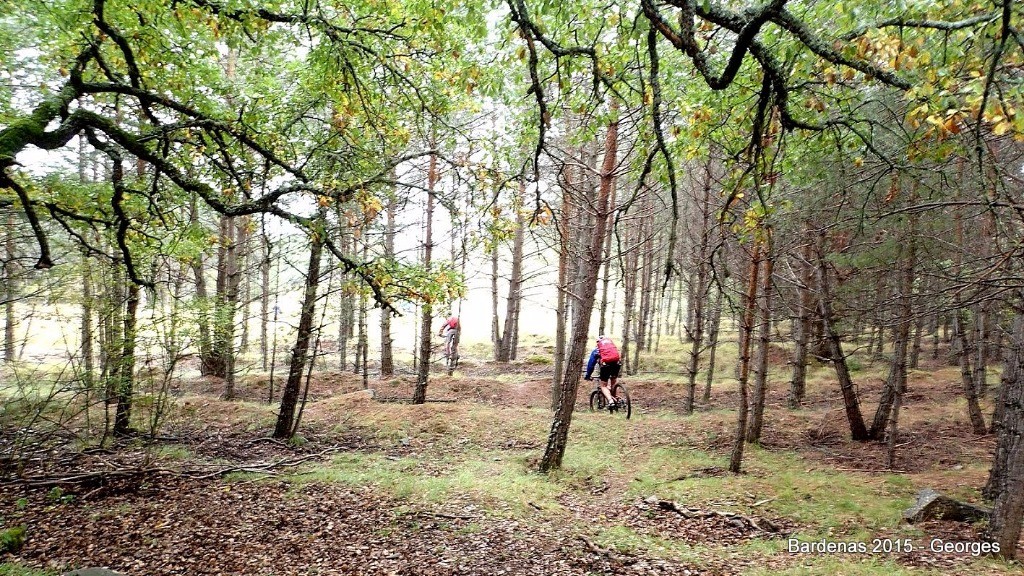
[714, 321]
[629, 263]
[10, 292]
[805, 309]
[905, 313]
[1006, 480]
[495, 321]
[963, 353]
[897, 380]
[86, 323]
[561, 305]
[981, 331]
[743, 371]
[290, 394]
[387, 362]
[233, 280]
[764, 341]
[591, 266]
[423, 370]
[643, 328]
[126, 371]
[514, 300]
[915, 349]
[264, 299]
[835, 352]
[699, 292]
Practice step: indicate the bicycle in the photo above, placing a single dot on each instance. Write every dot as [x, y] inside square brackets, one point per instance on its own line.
[622, 402]
[451, 359]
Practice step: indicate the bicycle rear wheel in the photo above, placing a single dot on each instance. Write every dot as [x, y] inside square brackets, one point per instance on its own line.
[597, 401]
[622, 397]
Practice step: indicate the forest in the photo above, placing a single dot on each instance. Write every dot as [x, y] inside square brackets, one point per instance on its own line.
[232, 233]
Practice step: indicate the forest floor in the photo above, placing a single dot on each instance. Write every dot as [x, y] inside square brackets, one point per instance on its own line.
[374, 485]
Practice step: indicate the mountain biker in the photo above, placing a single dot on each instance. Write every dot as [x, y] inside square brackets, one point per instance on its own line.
[607, 355]
[450, 329]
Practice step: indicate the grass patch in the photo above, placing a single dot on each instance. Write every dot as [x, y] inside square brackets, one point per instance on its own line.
[793, 488]
[491, 477]
[172, 452]
[13, 569]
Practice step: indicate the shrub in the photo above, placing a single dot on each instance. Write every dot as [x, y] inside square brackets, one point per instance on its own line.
[12, 539]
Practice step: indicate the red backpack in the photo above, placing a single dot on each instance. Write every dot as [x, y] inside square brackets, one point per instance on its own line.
[607, 351]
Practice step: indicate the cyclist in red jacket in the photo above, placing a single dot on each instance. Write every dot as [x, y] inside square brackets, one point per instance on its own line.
[449, 330]
[607, 355]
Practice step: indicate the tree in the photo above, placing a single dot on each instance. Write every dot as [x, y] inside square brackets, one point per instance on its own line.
[419, 395]
[1006, 480]
[290, 395]
[590, 266]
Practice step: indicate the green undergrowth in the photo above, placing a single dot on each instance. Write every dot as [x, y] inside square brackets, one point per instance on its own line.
[781, 484]
[14, 569]
[498, 479]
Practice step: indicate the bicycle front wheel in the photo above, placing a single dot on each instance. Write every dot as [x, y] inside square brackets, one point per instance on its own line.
[597, 401]
[622, 397]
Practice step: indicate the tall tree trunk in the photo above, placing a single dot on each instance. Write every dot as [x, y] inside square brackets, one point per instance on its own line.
[10, 291]
[700, 292]
[591, 266]
[696, 338]
[245, 273]
[290, 394]
[215, 361]
[714, 321]
[1009, 378]
[629, 272]
[86, 321]
[606, 279]
[364, 343]
[805, 309]
[963, 353]
[561, 305]
[114, 343]
[764, 341]
[905, 313]
[87, 292]
[646, 288]
[514, 300]
[897, 380]
[1006, 480]
[691, 308]
[233, 281]
[981, 331]
[743, 369]
[126, 371]
[858, 431]
[387, 362]
[264, 299]
[495, 321]
[423, 370]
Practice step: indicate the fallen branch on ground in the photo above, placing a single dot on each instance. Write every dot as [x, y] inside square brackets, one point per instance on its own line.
[741, 521]
[607, 552]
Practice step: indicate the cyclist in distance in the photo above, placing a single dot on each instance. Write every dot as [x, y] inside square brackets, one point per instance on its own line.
[449, 330]
[607, 355]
